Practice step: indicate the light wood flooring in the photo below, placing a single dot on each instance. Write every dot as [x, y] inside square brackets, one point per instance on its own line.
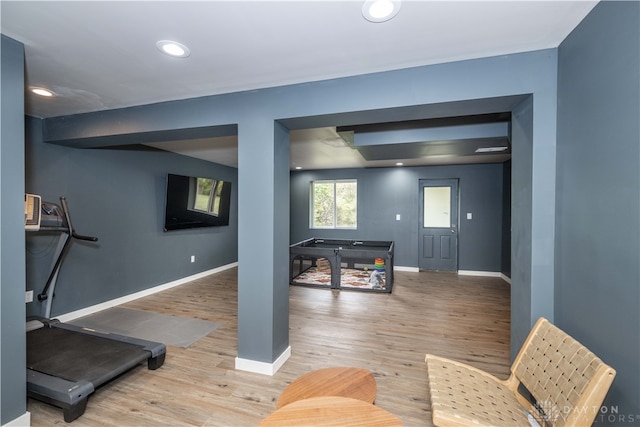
[461, 317]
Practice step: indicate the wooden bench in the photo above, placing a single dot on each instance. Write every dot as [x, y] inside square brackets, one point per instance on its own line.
[567, 384]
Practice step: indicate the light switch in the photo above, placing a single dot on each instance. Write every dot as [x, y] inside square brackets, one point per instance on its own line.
[397, 217]
[469, 215]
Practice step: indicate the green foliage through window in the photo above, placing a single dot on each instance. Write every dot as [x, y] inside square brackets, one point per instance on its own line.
[334, 204]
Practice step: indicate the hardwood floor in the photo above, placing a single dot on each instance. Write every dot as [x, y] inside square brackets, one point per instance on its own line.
[461, 317]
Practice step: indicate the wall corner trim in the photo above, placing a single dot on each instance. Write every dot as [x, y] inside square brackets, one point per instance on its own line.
[263, 367]
[505, 278]
[23, 420]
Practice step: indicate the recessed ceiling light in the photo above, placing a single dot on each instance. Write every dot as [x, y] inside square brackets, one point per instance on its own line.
[380, 10]
[298, 167]
[40, 91]
[399, 164]
[175, 49]
[491, 149]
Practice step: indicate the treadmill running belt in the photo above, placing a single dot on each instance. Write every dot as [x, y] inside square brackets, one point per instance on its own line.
[75, 356]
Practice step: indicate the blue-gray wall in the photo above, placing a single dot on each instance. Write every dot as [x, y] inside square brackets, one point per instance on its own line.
[465, 87]
[385, 192]
[506, 219]
[404, 94]
[263, 293]
[598, 198]
[521, 226]
[12, 258]
[118, 195]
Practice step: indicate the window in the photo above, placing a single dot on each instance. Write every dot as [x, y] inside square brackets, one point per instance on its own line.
[437, 204]
[334, 204]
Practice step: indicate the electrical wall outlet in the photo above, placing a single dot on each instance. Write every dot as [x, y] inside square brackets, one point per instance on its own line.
[28, 296]
[193, 258]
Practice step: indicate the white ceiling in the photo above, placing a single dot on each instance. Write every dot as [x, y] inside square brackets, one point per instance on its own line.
[99, 55]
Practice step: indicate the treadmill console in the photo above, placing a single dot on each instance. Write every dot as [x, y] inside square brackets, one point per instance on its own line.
[32, 205]
[41, 216]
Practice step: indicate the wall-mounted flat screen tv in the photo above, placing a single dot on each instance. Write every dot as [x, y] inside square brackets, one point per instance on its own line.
[193, 202]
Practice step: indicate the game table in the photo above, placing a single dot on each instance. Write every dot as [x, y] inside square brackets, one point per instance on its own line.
[353, 254]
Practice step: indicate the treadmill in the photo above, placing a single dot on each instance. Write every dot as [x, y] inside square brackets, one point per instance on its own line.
[66, 363]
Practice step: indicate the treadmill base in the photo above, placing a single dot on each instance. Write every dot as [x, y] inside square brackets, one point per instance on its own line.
[83, 360]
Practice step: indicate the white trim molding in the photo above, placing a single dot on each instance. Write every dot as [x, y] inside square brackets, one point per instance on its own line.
[479, 273]
[263, 368]
[485, 274]
[131, 297]
[409, 269]
[23, 420]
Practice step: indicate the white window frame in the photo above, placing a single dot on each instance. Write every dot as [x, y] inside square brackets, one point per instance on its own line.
[335, 207]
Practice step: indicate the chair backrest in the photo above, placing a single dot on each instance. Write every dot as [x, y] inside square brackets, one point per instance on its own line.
[567, 381]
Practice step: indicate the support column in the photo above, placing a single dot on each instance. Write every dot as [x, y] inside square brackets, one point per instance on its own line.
[13, 380]
[533, 211]
[263, 246]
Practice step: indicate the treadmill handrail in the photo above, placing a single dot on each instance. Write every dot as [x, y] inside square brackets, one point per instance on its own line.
[81, 237]
[44, 294]
[72, 231]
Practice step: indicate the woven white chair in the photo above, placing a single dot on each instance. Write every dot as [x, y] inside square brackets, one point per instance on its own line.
[566, 381]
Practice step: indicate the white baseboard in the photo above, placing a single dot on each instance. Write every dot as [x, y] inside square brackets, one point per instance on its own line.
[409, 269]
[23, 420]
[263, 367]
[479, 273]
[131, 297]
[485, 274]
[460, 272]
